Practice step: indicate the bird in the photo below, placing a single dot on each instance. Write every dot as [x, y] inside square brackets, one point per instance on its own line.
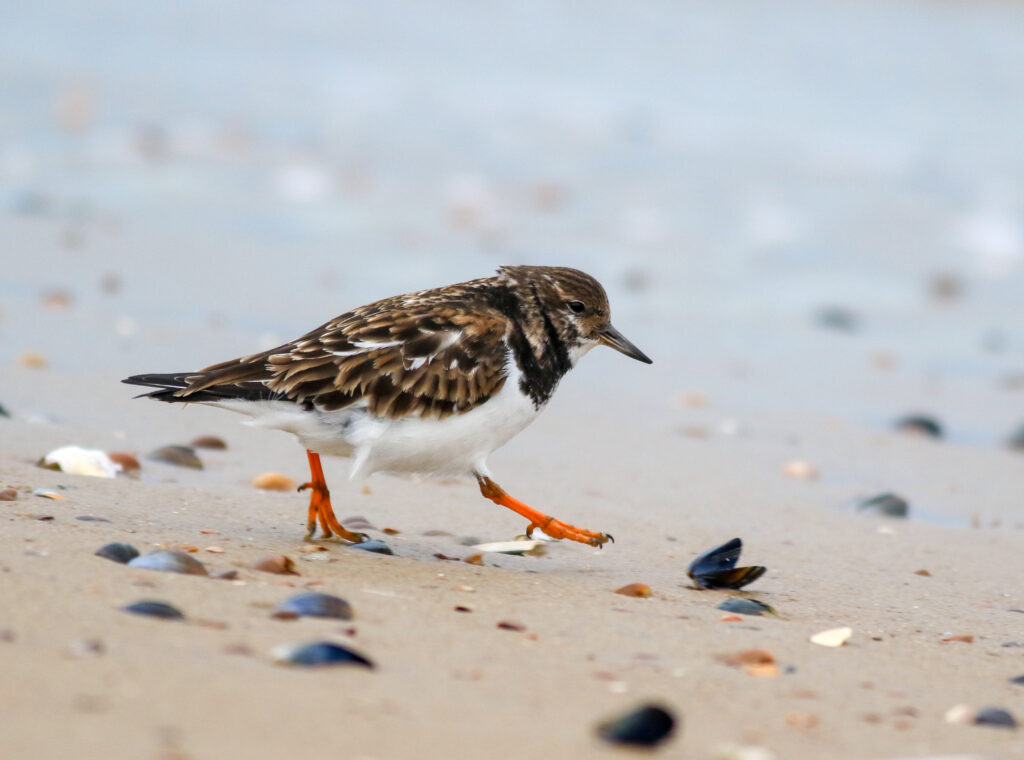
[427, 382]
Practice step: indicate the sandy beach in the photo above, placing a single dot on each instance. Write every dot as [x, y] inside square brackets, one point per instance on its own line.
[814, 233]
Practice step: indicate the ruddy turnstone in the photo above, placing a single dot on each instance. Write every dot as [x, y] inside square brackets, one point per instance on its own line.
[430, 382]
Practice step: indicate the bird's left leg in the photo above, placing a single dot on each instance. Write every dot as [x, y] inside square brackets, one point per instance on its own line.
[551, 526]
[320, 508]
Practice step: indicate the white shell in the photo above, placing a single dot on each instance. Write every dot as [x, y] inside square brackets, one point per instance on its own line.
[75, 460]
[833, 637]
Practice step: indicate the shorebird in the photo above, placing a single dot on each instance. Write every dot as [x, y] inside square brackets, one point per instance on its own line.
[429, 382]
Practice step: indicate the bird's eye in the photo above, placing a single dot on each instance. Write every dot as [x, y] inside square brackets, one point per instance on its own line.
[577, 307]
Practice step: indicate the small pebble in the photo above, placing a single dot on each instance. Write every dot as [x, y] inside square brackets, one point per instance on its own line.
[314, 604]
[508, 625]
[180, 456]
[919, 424]
[959, 714]
[755, 662]
[169, 562]
[208, 442]
[4, 412]
[743, 752]
[155, 609]
[279, 564]
[317, 654]
[800, 468]
[274, 481]
[118, 552]
[923, 572]
[1016, 439]
[358, 522]
[645, 726]
[8, 494]
[996, 717]
[92, 518]
[86, 647]
[634, 589]
[32, 360]
[1019, 680]
[48, 493]
[375, 546]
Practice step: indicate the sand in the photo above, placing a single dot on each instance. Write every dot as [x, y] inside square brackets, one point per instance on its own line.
[450, 683]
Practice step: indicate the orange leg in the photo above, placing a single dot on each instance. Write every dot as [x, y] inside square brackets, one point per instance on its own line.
[551, 526]
[320, 509]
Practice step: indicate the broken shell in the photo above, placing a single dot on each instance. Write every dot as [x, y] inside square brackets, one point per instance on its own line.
[75, 460]
[508, 625]
[314, 604]
[208, 442]
[529, 546]
[743, 752]
[961, 714]
[646, 726]
[745, 606]
[716, 568]
[274, 481]
[373, 545]
[920, 424]
[317, 654]
[833, 637]
[888, 504]
[169, 562]
[48, 493]
[180, 456]
[8, 494]
[155, 609]
[994, 716]
[281, 564]
[128, 462]
[118, 552]
[634, 589]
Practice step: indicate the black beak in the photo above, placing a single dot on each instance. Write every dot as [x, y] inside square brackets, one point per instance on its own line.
[609, 336]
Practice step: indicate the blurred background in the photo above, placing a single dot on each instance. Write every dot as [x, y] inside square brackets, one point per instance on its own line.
[795, 207]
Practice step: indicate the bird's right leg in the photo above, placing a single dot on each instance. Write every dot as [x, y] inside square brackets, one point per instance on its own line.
[320, 509]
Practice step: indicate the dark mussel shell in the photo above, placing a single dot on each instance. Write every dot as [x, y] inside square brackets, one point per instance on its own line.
[645, 726]
[745, 606]
[314, 604]
[155, 609]
[887, 504]
[372, 545]
[716, 568]
[318, 654]
[995, 716]
[118, 552]
[920, 424]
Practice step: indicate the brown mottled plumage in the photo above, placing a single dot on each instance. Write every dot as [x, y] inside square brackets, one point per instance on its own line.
[436, 355]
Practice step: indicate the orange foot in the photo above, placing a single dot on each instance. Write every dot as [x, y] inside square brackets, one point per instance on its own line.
[551, 526]
[320, 509]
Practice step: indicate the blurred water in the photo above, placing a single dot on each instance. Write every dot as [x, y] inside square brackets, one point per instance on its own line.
[250, 169]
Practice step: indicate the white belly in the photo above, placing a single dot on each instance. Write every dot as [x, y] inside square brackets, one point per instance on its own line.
[458, 444]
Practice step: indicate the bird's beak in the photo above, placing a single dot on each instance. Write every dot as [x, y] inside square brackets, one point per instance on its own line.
[609, 336]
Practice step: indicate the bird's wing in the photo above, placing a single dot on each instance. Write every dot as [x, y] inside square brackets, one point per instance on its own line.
[400, 357]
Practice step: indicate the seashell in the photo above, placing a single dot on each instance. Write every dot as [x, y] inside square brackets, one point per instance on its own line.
[48, 493]
[4, 412]
[743, 752]
[8, 494]
[634, 589]
[180, 456]
[279, 564]
[800, 468]
[745, 606]
[1016, 439]
[32, 360]
[888, 504]
[508, 625]
[375, 546]
[529, 546]
[118, 552]
[961, 714]
[919, 424]
[314, 604]
[169, 562]
[92, 518]
[274, 481]
[755, 662]
[128, 462]
[1019, 680]
[317, 654]
[208, 442]
[994, 716]
[833, 637]
[75, 460]
[716, 568]
[155, 609]
[646, 726]
[838, 318]
[358, 522]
